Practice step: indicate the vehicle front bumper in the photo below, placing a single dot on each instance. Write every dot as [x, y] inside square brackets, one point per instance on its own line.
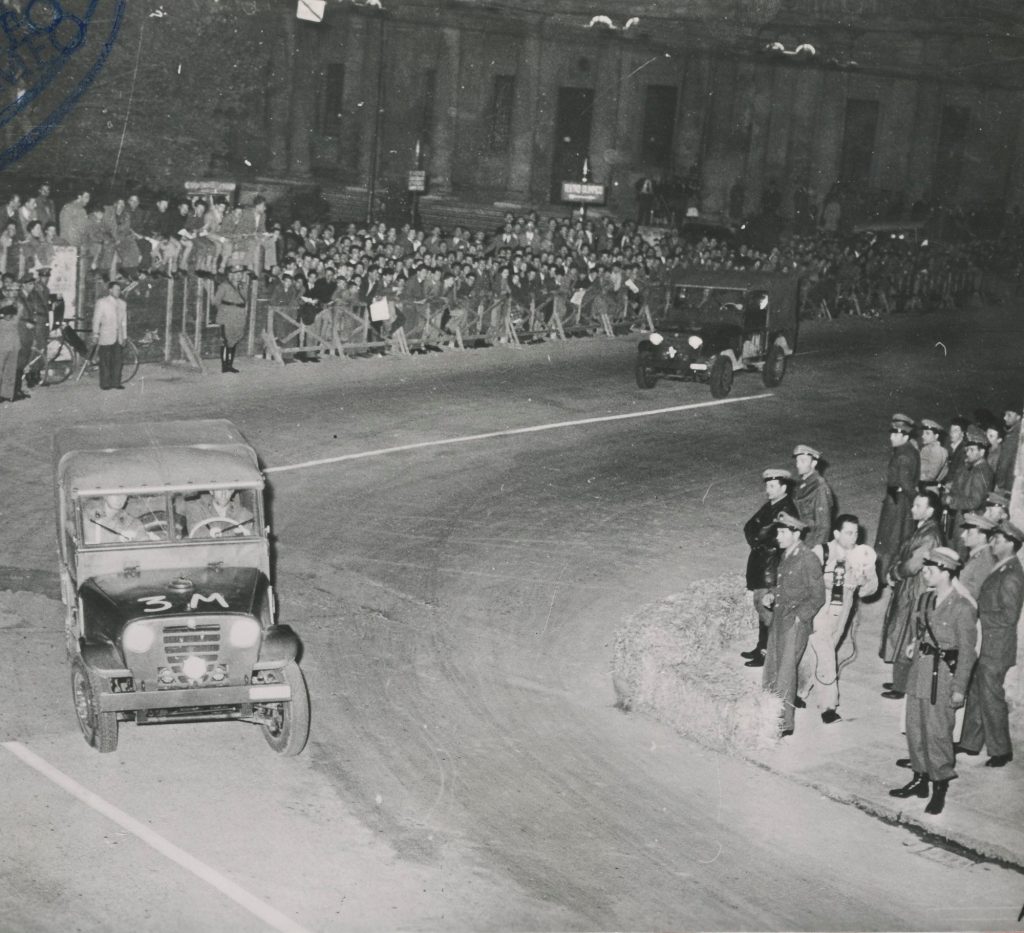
[193, 697]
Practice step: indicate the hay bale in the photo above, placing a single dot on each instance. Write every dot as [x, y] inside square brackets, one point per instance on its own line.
[676, 660]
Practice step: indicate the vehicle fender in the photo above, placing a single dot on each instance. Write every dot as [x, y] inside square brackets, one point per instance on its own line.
[731, 355]
[280, 646]
[103, 657]
[781, 341]
[645, 346]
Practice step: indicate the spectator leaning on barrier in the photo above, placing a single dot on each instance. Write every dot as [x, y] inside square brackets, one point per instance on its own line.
[797, 596]
[907, 586]
[763, 561]
[901, 478]
[941, 657]
[986, 719]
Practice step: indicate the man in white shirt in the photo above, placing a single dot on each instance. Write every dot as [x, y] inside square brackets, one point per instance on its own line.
[110, 331]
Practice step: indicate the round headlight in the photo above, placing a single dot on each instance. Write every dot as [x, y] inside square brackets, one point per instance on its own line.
[655, 340]
[695, 342]
[193, 667]
[244, 633]
[137, 639]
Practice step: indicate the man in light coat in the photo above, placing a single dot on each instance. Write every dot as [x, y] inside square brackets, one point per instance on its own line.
[110, 331]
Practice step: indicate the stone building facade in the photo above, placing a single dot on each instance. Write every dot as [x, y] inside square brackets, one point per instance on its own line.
[502, 102]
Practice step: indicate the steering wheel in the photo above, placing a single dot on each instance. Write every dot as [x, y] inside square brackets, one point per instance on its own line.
[228, 524]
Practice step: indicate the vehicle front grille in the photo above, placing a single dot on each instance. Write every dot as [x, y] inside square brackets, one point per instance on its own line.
[181, 641]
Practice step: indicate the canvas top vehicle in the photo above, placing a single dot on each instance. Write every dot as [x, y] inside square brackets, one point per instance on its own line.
[165, 575]
[716, 324]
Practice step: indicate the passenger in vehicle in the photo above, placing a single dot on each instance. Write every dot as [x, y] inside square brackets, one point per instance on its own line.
[216, 514]
[108, 522]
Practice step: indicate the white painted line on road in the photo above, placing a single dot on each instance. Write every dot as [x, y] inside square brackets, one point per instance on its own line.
[271, 917]
[467, 438]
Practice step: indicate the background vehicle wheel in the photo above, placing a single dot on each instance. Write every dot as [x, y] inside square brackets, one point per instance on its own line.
[60, 360]
[774, 367]
[288, 728]
[646, 377]
[720, 377]
[99, 729]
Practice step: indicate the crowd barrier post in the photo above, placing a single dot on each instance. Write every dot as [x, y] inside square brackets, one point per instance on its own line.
[169, 321]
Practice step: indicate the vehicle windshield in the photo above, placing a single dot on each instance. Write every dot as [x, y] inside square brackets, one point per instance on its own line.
[169, 516]
[694, 307]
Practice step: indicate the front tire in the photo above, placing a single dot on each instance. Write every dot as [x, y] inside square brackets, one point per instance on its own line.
[720, 377]
[287, 730]
[646, 377]
[99, 729]
[774, 366]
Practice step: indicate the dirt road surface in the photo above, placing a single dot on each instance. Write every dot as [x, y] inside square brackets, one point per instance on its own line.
[457, 582]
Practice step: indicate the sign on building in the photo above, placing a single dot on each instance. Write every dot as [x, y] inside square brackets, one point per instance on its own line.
[418, 180]
[204, 188]
[580, 192]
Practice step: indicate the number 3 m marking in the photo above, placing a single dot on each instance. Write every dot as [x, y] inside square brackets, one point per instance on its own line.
[162, 604]
[155, 603]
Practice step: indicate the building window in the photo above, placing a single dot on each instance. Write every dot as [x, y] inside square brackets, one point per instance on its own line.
[659, 125]
[329, 103]
[949, 157]
[859, 141]
[428, 108]
[503, 98]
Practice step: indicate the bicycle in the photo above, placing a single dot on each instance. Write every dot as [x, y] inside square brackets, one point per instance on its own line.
[64, 351]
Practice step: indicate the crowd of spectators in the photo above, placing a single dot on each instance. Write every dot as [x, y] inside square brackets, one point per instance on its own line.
[526, 270]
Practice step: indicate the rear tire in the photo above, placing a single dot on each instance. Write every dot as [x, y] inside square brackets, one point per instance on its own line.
[99, 729]
[774, 366]
[720, 377]
[129, 362]
[646, 377]
[288, 729]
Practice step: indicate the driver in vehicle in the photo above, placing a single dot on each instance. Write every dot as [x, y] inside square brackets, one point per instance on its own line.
[217, 513]
[108, 522]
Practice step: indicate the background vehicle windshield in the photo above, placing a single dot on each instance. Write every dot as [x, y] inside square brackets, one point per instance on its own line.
[694, 307]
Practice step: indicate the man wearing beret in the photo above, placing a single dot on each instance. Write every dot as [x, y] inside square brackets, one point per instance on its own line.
[796, 597]
[986, 721]
[942, 658]
[907, 586]
[763, 562]
[813, 497]
[902, 475]
[980, 559]
[974, 482]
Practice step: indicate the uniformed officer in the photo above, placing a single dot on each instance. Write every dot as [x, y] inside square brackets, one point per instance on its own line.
[986, 721]
[232, 315]
[942, 659]
[997, 506]
[974, 482]
[902, 475]
[763, 561]
[217, 514]
[794, 600]
[813, 496]
[109, 523]
[980, 560]
[933, 455]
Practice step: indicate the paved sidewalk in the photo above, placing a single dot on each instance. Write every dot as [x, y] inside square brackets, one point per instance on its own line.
[854, 761]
